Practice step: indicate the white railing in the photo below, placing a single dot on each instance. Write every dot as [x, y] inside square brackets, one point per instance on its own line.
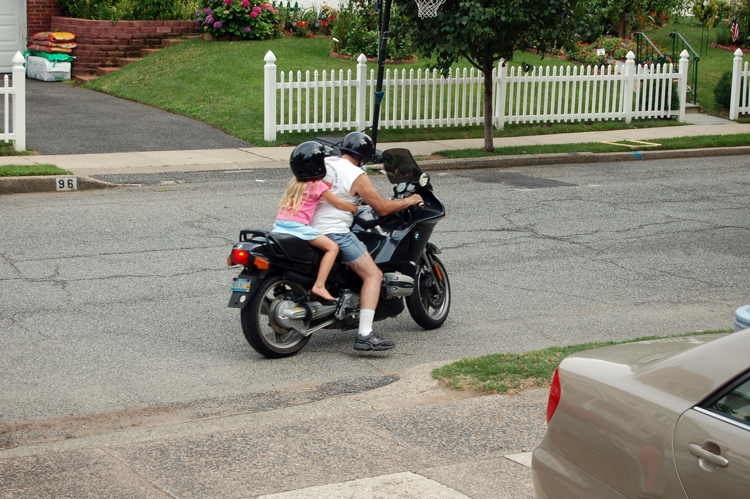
[331, 101]
[17, 131]
[740, 103]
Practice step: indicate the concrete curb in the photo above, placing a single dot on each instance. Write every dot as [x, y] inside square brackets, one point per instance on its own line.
[582, 157]
[49, 183]
[18, 185]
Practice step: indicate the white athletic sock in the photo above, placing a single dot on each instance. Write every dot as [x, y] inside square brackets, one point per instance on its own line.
[366, 317]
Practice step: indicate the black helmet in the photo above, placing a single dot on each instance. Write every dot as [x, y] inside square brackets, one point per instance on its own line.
[308, 161]
[359, 145]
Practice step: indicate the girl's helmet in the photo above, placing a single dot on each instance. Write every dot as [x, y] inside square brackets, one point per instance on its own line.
[308, 161]
[358, 145]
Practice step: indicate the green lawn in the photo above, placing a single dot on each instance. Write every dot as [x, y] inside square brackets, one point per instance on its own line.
[222, 84]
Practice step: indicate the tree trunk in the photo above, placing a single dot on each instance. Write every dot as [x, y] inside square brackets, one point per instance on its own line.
[489, 145]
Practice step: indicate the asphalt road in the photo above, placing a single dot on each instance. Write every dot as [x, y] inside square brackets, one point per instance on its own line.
[63, 119]
[114, 300]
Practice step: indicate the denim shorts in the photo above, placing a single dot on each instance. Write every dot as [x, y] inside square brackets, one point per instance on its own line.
[350, 247]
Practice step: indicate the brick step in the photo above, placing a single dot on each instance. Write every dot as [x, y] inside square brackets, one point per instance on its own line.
[127, 60]
[106, 70]
[148, 52]
[170, 42]
[83, 78]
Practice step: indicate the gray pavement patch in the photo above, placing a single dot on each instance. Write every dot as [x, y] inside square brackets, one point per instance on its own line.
[64, 119]
[24, 433]
[512, 179]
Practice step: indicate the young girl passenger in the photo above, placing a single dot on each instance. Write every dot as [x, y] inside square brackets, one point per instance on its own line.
[299, 202]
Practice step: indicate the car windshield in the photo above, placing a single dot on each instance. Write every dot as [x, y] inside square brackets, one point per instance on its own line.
[400, 166]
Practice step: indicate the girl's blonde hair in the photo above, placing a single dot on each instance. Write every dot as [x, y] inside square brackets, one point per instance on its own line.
[295, 194]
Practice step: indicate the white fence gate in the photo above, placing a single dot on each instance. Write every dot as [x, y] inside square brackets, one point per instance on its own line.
[740, 103]
[329, 101]
[16, 132]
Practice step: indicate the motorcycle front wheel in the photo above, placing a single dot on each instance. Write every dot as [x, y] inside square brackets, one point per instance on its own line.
[272, 341]
[431, 301]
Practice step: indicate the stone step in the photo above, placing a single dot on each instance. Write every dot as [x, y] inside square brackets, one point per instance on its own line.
[84, 78]
[169, 42]
[148, 52]
[691, 108]
[106, 70]
[127, 60]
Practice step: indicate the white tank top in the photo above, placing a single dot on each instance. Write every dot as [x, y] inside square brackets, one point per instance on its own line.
[341, 174]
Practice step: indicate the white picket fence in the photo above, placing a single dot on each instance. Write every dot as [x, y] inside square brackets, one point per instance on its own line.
[740, 103]
[337, 101]
[14, 123]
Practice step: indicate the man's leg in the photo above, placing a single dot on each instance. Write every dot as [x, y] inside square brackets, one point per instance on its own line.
[372, 278]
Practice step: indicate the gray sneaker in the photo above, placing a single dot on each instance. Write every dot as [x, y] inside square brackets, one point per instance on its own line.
[372, 342]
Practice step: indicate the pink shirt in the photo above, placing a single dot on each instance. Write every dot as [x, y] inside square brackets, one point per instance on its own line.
[307, 209]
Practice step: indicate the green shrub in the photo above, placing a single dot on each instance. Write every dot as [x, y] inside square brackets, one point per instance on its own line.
[723, 90]
[355, 31]
[242, 18]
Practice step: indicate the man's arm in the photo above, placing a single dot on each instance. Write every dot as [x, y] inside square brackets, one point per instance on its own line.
[363, 188]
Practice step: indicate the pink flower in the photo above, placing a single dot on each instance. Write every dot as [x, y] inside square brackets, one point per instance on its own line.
[245, 3]
[228, 2]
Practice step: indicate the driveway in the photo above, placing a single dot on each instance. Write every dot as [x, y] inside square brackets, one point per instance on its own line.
[63, 119]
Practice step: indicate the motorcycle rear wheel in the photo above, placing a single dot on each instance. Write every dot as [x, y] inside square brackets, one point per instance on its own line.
[431, 301]
[267, 341]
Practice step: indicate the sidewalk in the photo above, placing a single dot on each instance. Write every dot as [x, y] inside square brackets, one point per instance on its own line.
[277, 157]
[409, 439]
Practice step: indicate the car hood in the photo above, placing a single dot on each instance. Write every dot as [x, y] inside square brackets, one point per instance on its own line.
[689, 368]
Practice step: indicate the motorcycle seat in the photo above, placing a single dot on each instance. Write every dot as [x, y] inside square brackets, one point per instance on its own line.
[297, 248]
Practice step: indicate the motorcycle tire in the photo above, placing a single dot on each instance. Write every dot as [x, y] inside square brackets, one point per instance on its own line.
[267, 341]
[431, 301]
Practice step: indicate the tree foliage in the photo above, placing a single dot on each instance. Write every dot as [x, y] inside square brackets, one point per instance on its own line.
[485, 31]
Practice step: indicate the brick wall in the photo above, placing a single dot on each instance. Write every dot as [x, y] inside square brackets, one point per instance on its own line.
[101, 44]
[39, 15]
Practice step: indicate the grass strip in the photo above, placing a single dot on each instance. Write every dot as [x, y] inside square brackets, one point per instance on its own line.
[501, 373]
[699, 142]
[24, 170]
[7, 149]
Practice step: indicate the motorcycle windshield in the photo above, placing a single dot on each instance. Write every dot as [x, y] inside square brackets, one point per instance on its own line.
[400, 166]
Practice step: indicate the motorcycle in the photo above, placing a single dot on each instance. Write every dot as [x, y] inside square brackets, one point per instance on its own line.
[278, 311]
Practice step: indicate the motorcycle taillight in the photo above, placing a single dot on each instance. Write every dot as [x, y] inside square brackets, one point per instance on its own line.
[240, 257]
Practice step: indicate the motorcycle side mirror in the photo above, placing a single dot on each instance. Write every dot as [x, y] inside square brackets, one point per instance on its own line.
[424, 179]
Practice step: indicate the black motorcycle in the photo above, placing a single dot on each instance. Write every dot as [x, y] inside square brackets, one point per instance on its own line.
[279, 312]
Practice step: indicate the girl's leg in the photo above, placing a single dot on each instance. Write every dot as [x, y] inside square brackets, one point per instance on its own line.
[331, 250]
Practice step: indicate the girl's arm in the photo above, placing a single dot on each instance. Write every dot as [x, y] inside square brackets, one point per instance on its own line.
[338, 203]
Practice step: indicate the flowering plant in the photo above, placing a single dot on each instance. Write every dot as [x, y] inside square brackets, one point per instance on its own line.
[245, 19]
[591, 53]
[302, 29]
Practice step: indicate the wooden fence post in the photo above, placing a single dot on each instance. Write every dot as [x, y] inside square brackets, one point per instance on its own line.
[682, 86]
[501, 87]
[734, 106]
[361, 111]
[19, 102]
[629, 77]
[269, 88]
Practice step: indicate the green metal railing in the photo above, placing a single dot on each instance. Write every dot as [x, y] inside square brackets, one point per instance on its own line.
[678, 45]
[648, 53]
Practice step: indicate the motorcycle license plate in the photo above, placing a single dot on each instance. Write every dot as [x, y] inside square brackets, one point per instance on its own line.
[242, 285]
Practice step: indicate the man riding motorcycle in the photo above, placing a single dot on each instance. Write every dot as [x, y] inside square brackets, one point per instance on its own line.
[350, 183]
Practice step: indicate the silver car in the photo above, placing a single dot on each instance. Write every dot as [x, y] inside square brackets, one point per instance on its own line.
[666, 418]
